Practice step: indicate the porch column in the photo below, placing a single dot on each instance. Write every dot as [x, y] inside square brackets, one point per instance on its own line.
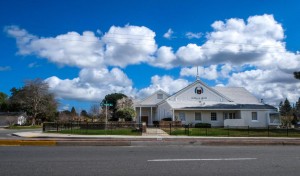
[151, 117]
[140, 119]
[173, 116]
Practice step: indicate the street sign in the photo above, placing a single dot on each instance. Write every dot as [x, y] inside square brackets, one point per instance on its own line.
[106, 104]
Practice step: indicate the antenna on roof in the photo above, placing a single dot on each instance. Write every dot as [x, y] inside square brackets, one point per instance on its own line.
[197, 77]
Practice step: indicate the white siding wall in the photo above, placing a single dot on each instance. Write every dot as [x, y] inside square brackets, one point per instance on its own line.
[206, 117]
[235, 123]
[261, 118]
[207, 95]
[164, 111]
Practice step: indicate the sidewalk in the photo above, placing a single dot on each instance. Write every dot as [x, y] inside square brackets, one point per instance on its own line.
[51, 139]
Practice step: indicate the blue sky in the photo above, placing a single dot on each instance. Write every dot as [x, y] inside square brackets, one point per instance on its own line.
[86, 49]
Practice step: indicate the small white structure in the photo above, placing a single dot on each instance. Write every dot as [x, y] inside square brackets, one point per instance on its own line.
[199, 103]
[21, 119]
[12, 118]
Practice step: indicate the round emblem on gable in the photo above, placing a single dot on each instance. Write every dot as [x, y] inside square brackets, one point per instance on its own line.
[199, 90]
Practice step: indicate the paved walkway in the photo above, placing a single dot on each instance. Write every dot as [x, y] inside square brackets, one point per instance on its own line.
[155, 132]
[152, 137]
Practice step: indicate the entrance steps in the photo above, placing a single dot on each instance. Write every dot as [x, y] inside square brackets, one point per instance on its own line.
[155, 132]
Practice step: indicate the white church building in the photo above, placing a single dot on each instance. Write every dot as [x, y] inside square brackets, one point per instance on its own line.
[199, 103]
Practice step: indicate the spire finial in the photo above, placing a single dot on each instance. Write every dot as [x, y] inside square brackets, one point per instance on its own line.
[197, 77]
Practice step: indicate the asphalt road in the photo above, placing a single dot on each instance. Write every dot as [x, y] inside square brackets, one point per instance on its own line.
[166, 160]
[7, 133]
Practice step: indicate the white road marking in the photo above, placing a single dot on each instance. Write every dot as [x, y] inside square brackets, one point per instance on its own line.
[208, 159]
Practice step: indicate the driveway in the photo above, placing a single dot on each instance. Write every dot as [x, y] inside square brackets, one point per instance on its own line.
[7, 133]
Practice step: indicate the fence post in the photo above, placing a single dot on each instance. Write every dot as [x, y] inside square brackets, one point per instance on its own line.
[87, 127]
[248, 131]
[228, 130]
[44, 127]
[170, 128]
[287, 130]
[57, 127]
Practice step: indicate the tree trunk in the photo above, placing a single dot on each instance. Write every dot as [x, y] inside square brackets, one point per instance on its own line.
[33, 121]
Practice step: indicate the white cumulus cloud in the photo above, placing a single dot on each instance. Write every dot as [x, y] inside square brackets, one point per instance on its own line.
[166, 83]
[168, 34]
[272, 85]
[120, 46]
[92, 84]
[191, 35]
[250, 53]
[209, 73]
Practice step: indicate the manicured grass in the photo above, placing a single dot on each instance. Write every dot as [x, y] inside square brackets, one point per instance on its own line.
[24, 127]
[222, 132]
[100, 132]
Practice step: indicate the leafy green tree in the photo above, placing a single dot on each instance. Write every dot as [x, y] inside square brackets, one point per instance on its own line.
[286, 112]
[112, 99]
[35, 99]
[3, 97]
[84, 113]
[126, 113]
[296, 112]
[3, 102]
[13, 104]
[297, 75]
[73, 112]
[285, 108]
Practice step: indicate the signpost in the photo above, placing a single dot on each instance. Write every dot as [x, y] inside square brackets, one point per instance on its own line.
[106, 104]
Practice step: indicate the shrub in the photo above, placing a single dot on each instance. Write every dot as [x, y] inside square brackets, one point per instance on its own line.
[202, 125]
[156, 123]
[167, 119]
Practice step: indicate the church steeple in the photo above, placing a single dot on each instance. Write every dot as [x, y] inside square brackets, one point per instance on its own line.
[197, 76]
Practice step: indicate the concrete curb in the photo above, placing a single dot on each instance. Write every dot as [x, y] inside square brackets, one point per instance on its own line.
[27, 143]
[93, 143]
[38, 138]
[148, 142]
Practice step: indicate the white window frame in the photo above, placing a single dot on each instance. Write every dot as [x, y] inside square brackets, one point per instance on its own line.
[199, 113]
[230, 115]
[225, 115]
[211, 116]
[182, 116]
[254, 118]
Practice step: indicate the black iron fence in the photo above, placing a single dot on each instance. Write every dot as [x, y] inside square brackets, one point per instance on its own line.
[97, 128]
[244, 131]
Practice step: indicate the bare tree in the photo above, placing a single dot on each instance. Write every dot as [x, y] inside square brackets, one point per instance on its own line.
[64, 117]
[35, 99]
[94, 111]
[10, 120]
[105, 113]
[124, 102]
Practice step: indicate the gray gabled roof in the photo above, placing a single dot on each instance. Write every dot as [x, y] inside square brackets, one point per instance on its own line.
[141, 102]
[239, 95]
[235, 107]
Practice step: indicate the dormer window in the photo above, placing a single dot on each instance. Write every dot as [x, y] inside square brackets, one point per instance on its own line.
[160, 96]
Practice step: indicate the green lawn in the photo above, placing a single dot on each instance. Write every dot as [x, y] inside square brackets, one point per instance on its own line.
[235, 132]
[24, 127]
[100, 132]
